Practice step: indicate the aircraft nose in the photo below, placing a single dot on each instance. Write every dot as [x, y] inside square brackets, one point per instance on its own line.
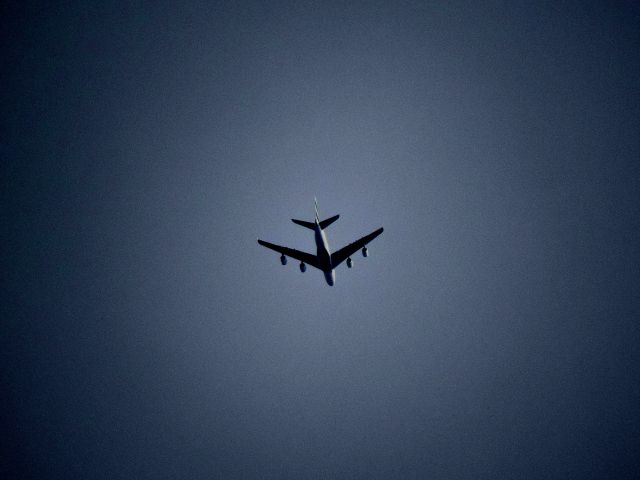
[330, 277]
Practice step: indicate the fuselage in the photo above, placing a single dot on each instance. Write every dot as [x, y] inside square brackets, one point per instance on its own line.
[324, 255]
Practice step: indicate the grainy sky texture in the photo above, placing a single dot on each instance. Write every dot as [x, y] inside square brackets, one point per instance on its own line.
[493, 331]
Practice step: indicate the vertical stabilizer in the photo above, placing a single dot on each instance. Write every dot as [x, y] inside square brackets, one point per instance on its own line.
[315, 201]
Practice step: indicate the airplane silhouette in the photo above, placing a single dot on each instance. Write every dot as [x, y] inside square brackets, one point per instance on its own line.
[324, 260]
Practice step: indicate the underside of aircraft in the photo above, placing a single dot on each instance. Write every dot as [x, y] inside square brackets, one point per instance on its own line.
[324, 260]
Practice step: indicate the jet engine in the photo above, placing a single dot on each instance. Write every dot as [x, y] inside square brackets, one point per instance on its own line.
[365, 252]
[349, 262]
[283, 260]
[303, 267]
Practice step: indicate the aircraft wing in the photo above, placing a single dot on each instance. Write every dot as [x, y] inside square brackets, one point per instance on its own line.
[290, 252]
[341, 255]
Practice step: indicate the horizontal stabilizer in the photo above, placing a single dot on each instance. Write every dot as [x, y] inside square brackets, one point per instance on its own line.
[325, 223]
[309, 225]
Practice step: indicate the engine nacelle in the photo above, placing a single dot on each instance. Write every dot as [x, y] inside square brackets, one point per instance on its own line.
[283, 260]
[303, 267]
[365, 252]
[349, 262]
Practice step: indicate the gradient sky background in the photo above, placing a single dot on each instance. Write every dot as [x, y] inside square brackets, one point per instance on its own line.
[493, 331]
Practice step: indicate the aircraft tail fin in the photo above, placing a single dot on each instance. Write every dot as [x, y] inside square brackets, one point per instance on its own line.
[312, 225]
[325, 223]
[309, 225]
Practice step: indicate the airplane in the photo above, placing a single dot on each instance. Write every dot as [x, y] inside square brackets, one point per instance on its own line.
[324, 260]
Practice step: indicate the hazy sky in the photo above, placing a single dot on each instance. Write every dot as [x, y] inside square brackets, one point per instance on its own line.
[492, 332]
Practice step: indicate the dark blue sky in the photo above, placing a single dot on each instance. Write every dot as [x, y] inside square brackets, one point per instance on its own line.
[492, 333]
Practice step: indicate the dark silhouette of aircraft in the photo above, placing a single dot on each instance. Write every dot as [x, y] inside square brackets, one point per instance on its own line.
[323, 260]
